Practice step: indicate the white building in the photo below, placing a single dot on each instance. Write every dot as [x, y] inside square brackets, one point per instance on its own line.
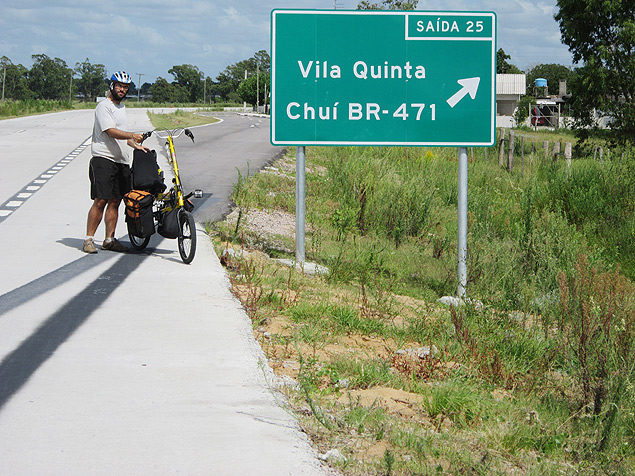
[509, 89]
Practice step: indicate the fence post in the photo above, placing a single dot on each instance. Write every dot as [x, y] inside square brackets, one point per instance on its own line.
[510, 152]
[522, 155]
[501, 150]
[545, 145]
[556, 150]
[567, 153]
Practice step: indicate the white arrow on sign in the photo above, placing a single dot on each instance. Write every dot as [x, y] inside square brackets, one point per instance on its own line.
[470, 85]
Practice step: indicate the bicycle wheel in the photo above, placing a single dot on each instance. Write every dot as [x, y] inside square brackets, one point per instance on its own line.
[137, 242]
[187, 236]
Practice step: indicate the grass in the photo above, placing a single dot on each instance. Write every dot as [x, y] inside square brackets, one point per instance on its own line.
[400, 384]
[17, 108]
[12, 108]
[178, 119]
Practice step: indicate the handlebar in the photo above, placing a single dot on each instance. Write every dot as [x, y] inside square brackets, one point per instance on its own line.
[165, 133]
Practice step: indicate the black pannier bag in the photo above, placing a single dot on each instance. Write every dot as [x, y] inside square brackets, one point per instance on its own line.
[146, 174]
[139, 213]
[169, 224]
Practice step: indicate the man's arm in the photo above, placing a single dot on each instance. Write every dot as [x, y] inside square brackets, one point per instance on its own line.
[134, 139]
[123, 135]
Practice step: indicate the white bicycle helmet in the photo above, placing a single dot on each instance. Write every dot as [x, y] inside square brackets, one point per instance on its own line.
[121, 77]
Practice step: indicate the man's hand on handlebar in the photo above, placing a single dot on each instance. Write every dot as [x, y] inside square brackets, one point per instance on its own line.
[138, 138]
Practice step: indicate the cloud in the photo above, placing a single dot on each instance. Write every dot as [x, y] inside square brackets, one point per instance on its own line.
[232, 17]
[151, 37]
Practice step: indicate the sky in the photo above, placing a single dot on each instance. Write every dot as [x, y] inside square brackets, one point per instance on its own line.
[146, 38]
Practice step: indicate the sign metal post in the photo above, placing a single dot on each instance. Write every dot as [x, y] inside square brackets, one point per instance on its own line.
[300, 204]
[462, 223]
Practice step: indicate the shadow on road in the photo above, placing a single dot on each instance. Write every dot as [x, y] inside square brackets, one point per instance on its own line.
[18, 366]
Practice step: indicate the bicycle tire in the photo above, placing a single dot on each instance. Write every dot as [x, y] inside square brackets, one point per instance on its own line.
[187, 236]
[138, 242]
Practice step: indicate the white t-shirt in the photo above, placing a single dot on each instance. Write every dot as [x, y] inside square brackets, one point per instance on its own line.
[109, 115]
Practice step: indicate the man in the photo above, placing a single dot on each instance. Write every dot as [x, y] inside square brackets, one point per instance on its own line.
[109, 171]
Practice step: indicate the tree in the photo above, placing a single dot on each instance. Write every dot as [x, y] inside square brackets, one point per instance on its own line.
[263, 61]
[145, 88]
[92, 79]
[49, 78]
[225, 85]
[502, 66]
[210, 90]
[601, 35]
[254, 87]
[388, 5]
[15, 79]
[553, 73]
[190, 78]
[162, 91]
[229, 80]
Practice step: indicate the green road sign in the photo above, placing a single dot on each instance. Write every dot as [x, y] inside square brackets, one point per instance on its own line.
[383, 78]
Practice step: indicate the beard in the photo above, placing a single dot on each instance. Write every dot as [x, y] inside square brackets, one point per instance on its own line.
[117, 95]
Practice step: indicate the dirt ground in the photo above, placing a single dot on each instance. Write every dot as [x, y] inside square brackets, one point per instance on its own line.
[275, 335]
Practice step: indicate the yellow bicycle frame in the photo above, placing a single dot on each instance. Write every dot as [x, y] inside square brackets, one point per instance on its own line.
[171, 153]
[175, 167]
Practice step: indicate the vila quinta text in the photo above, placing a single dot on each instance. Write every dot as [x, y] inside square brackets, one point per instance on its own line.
[362, 70]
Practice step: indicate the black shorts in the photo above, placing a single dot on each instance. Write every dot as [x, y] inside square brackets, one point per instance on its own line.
[108, 179]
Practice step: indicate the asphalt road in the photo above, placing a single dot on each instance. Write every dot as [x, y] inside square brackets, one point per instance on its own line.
[128, 364]
[220, 151]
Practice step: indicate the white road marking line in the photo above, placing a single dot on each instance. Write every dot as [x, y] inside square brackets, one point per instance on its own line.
[42, 179]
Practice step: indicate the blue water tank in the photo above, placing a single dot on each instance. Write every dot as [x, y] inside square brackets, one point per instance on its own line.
[541, 82]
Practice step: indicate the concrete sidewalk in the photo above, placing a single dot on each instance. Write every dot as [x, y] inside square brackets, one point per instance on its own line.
[131, 364]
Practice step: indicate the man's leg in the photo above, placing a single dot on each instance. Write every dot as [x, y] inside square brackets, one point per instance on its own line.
[95, 215]
[111, 217]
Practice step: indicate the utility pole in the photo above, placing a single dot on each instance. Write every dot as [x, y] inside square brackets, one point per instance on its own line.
[70, 87]
[139, 87]
[4, 79]
[245, 102]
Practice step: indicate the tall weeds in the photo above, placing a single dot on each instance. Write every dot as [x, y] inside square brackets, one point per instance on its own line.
[597, 331]
[386, 192]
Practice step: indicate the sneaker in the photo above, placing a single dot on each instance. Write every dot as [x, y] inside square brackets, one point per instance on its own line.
[114, 245]
[89, 246]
